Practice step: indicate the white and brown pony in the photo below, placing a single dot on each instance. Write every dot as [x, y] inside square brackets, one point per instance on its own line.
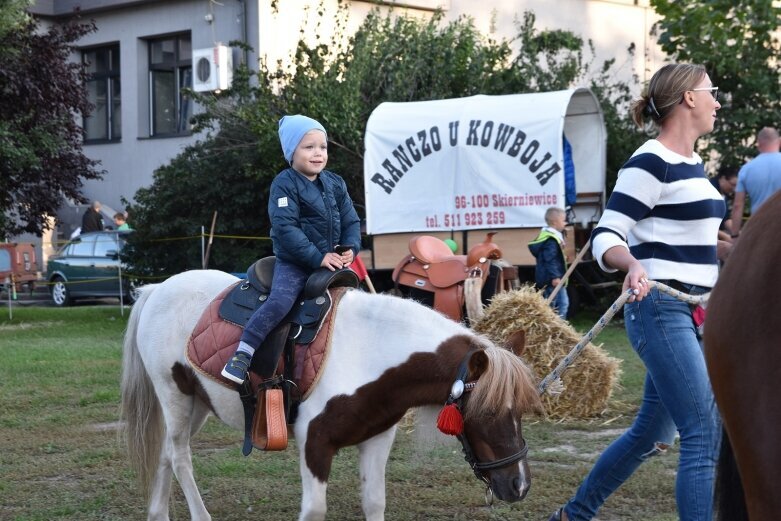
[388, 355]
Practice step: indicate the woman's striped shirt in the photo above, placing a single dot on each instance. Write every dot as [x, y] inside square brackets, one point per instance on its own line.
[667, 213]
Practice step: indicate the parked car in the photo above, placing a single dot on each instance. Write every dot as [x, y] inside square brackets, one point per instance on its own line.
[88, 266]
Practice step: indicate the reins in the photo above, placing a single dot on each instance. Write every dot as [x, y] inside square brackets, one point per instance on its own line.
[478, 467]
[555, 375]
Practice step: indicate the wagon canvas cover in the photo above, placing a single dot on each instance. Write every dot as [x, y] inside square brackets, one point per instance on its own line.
[468, 163]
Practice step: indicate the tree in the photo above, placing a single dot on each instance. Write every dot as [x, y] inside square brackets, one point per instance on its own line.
[339, 82]
[737, 43]
[623, 136]
[12, 15]
[41, 158]
[227, 173]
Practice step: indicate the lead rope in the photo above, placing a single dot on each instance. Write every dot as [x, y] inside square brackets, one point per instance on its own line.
[553, 379]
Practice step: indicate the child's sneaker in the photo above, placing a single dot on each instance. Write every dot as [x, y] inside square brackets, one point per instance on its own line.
[236, 368]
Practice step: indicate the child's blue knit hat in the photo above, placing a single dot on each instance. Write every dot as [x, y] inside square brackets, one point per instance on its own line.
[292, 130]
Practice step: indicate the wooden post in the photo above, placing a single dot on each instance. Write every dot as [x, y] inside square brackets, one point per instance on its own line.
[571, 268]
[203, 244]
[211, 239]
[121, 292]
[10, 281]
[368, 282]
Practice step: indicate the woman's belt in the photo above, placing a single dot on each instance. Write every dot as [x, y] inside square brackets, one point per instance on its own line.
[681, 286]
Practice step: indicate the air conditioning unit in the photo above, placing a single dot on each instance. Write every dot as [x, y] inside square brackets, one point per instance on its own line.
[212, 68]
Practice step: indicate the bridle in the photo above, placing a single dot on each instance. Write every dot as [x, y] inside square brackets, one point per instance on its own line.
[479, 468]
[457, 391]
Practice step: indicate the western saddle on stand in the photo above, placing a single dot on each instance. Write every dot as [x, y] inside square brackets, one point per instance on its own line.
[433, 274]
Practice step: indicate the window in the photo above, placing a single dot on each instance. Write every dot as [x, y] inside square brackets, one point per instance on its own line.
[82, 246]
[104, 93]
[170, 71]
[106, 243]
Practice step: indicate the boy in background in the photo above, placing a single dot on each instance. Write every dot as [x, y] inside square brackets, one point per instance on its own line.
[120, 223]
[548, 249]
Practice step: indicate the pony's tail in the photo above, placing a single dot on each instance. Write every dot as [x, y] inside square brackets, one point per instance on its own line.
[140, 413]
[729, 498]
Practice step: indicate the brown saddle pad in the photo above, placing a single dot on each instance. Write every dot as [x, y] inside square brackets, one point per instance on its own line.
[213, 341]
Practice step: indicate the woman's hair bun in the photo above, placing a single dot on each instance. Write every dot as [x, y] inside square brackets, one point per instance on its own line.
[650, 109]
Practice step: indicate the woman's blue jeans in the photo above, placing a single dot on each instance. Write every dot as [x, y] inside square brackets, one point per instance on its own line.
[288, 282]
[677, 397]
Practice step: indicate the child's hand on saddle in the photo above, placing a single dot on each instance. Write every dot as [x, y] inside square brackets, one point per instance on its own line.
[347, 258]
[333, 261]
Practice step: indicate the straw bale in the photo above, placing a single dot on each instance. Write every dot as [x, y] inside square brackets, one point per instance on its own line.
[589, 381]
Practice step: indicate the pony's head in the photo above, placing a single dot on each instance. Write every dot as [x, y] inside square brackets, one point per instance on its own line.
[494, 388]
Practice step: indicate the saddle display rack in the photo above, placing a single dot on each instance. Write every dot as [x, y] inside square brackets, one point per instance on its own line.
[432, 274]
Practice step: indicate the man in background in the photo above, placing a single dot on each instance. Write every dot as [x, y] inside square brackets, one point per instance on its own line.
[92, 221]
[759, 178]
[725, 182]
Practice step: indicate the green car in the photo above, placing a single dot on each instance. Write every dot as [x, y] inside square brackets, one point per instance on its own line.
[89, 267]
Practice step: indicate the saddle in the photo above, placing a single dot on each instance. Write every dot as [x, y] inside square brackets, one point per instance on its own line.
[286, 365]
[432, 268]
[313, 303]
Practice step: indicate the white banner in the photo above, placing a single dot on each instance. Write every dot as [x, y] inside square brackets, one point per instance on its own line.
[470, 163]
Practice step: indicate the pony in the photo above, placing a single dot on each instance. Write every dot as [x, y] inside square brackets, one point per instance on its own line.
[388, 355]
[743, 355]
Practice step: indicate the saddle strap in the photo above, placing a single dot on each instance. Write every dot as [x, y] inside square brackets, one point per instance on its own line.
[269, 431]
[449, 301]
[248, 404]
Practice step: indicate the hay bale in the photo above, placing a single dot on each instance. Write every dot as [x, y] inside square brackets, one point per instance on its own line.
[589, 381]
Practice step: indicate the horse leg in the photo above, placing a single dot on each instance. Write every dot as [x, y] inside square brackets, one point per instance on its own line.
[313, 487]
[313, 494]
[199, 416]
[182, 420]
[183, 463]
[373, 454]
[161, 487]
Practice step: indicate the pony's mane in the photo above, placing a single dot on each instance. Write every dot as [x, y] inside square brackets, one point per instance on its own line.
[507, 383]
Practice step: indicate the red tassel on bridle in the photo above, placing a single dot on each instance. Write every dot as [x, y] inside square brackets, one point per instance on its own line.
[450, 420]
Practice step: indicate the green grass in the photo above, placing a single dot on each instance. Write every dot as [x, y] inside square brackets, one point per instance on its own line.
[60, 458]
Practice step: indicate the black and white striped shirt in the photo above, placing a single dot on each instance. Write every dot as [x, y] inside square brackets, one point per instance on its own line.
[667, 213]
